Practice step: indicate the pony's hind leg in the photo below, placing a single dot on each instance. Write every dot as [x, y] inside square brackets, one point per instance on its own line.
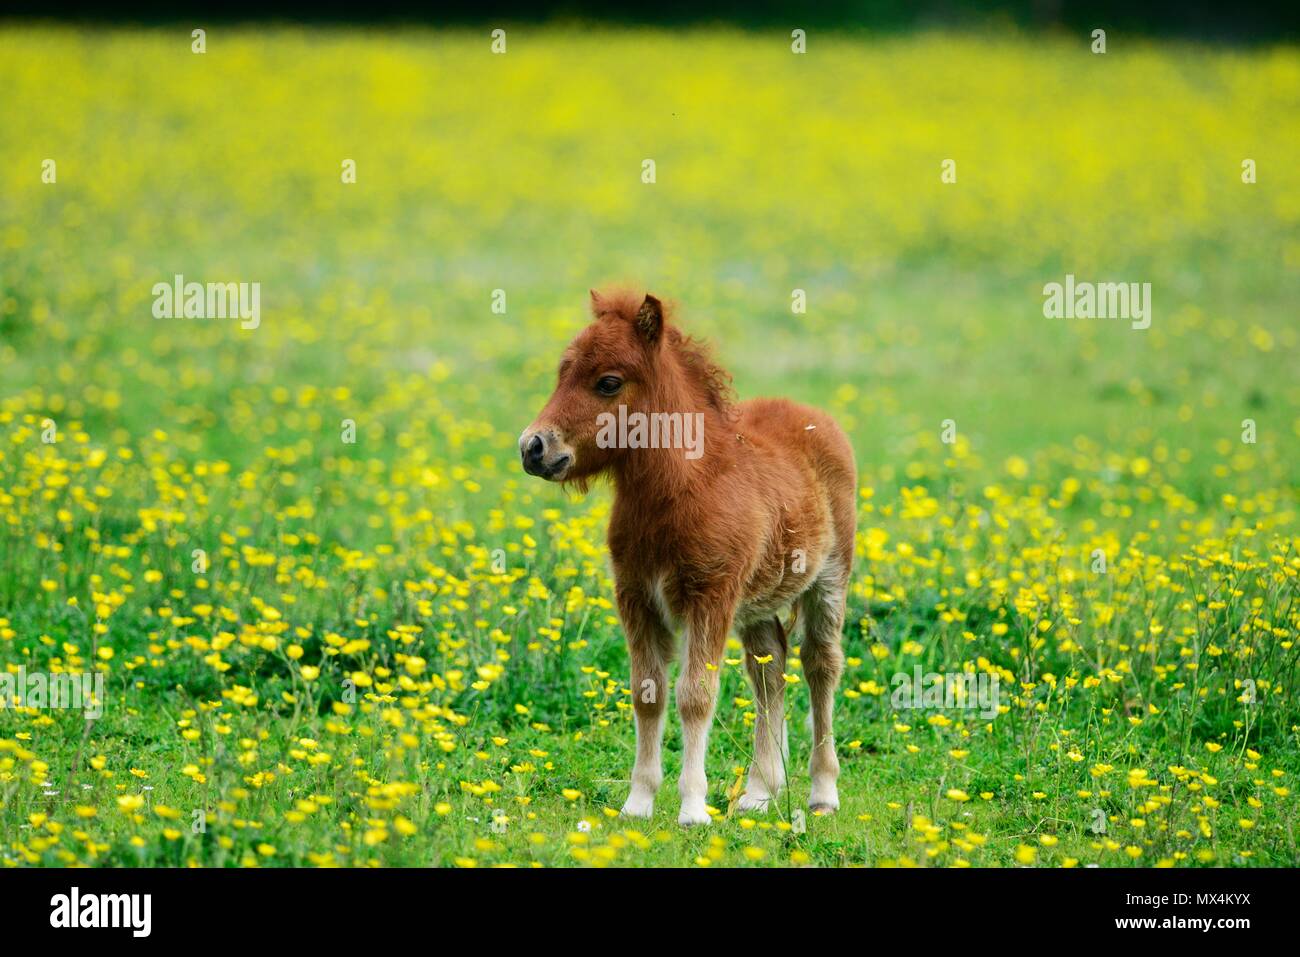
[765, 654]
[823, 663]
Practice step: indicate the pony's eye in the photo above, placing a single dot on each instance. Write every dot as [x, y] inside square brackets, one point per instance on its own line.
[609, 385]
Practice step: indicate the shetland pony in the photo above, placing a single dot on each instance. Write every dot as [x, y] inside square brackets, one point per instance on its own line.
[760, 519]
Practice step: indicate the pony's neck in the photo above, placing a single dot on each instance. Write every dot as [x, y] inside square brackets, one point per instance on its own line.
[663, 474]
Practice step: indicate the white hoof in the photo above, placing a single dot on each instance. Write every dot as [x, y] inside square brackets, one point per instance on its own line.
[824, 799]
[639, 805]
[693, 814]
[754, 802]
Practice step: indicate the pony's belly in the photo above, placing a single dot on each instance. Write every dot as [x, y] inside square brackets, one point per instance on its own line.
[767, 594]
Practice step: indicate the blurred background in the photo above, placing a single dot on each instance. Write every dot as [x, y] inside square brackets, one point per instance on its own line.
[518, 164]
[775, 171]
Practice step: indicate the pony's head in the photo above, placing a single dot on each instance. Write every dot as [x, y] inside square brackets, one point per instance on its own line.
[630, 356]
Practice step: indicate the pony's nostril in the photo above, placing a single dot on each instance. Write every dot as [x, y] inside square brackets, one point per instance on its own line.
[534, 451]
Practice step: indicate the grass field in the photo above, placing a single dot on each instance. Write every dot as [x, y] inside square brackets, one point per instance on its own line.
[402, 651]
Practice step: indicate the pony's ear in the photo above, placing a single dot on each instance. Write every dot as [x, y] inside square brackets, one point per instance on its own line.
[650, 319]
[597, 304]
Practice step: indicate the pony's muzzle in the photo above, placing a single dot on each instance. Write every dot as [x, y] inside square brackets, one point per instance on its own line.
[544, 454]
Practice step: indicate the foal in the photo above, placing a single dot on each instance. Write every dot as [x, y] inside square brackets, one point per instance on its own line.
[735, 529]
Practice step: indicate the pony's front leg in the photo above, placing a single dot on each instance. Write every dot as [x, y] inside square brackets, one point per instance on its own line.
[650, 646]
[697, 694]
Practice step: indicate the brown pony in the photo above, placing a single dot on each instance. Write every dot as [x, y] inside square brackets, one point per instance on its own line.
[736, 529]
